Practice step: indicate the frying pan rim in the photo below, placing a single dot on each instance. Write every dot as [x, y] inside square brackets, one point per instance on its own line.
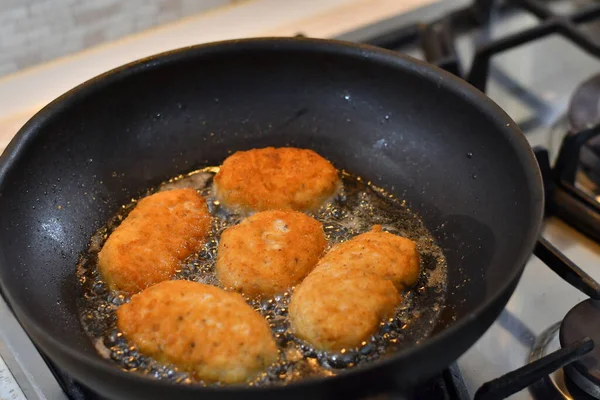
[27, 134]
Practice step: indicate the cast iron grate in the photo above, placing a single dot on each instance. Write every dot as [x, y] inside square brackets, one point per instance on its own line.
[437, 37]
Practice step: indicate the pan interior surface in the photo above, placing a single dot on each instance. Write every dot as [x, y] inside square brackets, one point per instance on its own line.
[455, 158]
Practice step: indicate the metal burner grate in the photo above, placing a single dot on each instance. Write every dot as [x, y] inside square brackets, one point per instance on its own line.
[550, 23]
[437, 37]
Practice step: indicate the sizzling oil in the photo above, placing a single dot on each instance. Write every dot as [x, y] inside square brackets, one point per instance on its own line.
[358, 207]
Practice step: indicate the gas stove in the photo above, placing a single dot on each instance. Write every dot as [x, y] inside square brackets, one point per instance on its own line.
[536, 60]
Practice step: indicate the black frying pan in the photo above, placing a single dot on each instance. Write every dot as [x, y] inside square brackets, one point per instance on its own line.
[458, 160]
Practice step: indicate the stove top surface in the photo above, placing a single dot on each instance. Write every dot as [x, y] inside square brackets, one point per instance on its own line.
[534, 84]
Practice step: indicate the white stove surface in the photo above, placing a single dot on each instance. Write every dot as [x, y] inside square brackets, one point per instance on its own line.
[550, 70]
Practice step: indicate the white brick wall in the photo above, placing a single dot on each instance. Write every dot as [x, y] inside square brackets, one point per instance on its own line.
[34, 31]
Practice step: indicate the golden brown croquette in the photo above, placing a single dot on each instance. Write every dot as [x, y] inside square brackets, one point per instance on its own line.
[199, 328]
[338, 309]
[271, 178]
[269, 252]
[149, 245]
[385, 254]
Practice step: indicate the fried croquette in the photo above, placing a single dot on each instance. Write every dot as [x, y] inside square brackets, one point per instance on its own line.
[199, 328]
[161, 231]
[383, 253]
[269, 252]
[337, 309]
[352, 289]
[283, 178]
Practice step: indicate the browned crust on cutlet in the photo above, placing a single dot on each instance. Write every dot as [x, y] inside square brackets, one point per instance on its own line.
[338, 309]
[269, 252]
[353, 288]
[283, 178]
[385, 254]
[199, 328]
[149, 245]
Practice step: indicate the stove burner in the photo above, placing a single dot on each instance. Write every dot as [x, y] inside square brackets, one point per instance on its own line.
[584, 110]
[583, 321]
[557, 385]
[584, 113]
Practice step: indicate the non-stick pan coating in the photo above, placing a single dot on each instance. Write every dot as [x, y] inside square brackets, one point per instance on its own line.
[431, 139]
